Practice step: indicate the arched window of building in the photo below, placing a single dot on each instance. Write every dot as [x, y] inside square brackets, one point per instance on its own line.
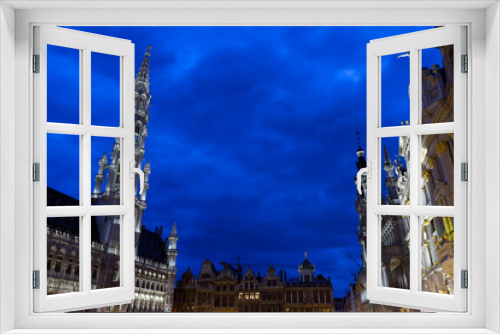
[49, 261]
[58, 263]
[69, 267]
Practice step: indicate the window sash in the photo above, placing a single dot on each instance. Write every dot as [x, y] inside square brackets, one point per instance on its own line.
[86, 297]
[413, 42]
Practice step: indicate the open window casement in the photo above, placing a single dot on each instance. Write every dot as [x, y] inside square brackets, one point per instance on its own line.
[83, 215]
[416, 200]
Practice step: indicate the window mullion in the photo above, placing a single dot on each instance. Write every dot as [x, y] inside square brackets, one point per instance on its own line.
[85, 174]
[85, 161]
[85, 255]
[405, 210]
[373, 161]
[414, 91]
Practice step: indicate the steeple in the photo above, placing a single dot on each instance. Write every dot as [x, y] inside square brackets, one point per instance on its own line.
[111, 193]
[388, 165]
[172, 246]
[391, 180]
[99, 178]
[142, 100]
[143, 74]
[173, 233]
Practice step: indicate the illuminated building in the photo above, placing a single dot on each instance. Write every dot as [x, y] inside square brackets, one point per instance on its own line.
[231, 290]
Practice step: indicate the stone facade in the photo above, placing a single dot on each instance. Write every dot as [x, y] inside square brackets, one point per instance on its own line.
[438, 177]
[229, 290]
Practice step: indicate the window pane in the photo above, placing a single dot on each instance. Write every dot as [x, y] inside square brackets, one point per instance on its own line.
[437, 84]
[395, 262]
[395, 77]
[437, 170]
[395, 172]
[63, 170]
[437, 255]
[105, 90]
[105, 170]
[105, 252]
[63, 85]
[63, 256]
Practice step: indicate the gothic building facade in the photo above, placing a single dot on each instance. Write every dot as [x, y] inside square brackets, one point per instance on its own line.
[155, 263]
[232, 290]
[436, 189]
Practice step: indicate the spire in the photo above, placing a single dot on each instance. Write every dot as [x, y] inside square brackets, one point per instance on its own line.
[358, 141]
[143, 74]
[388, 165]
[391, 187]
[99, 177]
[172, 246]
[386, 155]
[104, 159]
[173, 233]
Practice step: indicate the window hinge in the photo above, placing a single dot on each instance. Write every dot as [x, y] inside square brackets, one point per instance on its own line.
[465, 279]
[465, 63]
[36, 172]
[36, 279]
[464, 168]
[36, 63]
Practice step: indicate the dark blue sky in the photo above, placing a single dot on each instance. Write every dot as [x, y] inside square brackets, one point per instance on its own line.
[252, 137]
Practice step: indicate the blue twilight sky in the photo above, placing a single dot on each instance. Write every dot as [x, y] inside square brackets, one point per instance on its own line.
[252, 137]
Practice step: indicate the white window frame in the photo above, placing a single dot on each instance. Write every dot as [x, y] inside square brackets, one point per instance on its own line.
[415, 211]
[85, 43]
[483, 20]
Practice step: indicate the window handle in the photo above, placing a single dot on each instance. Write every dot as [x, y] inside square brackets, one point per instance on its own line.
[134, 170]
[362, 171]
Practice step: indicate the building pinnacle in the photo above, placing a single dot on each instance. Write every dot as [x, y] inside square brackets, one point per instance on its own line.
[143, 74]
[386, 155]
[173, 233]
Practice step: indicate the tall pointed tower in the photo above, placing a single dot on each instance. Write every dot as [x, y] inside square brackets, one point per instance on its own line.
[172, 269]
[391, 182]
[154, 254]
[172, 246]
[142, 100]
[110, 194]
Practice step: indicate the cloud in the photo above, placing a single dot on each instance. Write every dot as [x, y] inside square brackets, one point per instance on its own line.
[252, 139]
